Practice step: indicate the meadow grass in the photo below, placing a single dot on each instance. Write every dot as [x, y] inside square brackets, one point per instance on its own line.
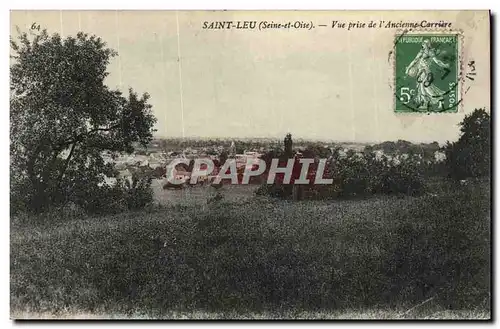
[382, 257]
[369, 314]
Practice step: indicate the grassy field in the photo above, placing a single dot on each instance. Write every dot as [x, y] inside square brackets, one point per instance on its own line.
[371, 314]
[200, 194]
[383, 257]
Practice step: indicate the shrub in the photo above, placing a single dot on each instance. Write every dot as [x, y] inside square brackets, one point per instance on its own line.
[137, 192]
[127, 194]
[272, 190]
[357, 175]
[470, 155]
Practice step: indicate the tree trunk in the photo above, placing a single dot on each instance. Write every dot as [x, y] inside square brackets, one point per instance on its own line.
[66, 164]
[38, 200]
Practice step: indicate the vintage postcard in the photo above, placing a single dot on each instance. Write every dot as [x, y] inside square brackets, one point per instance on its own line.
[250, 165]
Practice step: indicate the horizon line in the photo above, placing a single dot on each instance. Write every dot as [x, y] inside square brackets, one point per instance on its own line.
[326, 140]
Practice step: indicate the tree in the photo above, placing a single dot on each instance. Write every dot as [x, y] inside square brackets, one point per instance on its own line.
[316, 151]
[470, 155]
[63, 117]
[288, 146]
[288, 154]
[223, 157]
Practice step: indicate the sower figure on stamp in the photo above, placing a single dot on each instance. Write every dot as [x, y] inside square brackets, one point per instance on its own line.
[427, 93]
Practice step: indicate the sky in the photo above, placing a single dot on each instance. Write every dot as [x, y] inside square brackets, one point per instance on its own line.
[323, 83]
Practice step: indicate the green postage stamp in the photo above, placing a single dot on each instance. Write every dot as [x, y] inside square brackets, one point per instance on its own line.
[427, 72]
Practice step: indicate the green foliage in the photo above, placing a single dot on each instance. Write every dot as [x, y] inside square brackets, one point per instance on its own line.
[470, 156]
[63, 117]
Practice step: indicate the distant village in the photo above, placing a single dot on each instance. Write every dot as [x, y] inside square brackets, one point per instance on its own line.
[155, 157]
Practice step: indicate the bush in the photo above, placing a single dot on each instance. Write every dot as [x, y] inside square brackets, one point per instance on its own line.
[272, 190]
[360, 174]
[470, 155]
[127, 194]
[367, 173]
[137, 192]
